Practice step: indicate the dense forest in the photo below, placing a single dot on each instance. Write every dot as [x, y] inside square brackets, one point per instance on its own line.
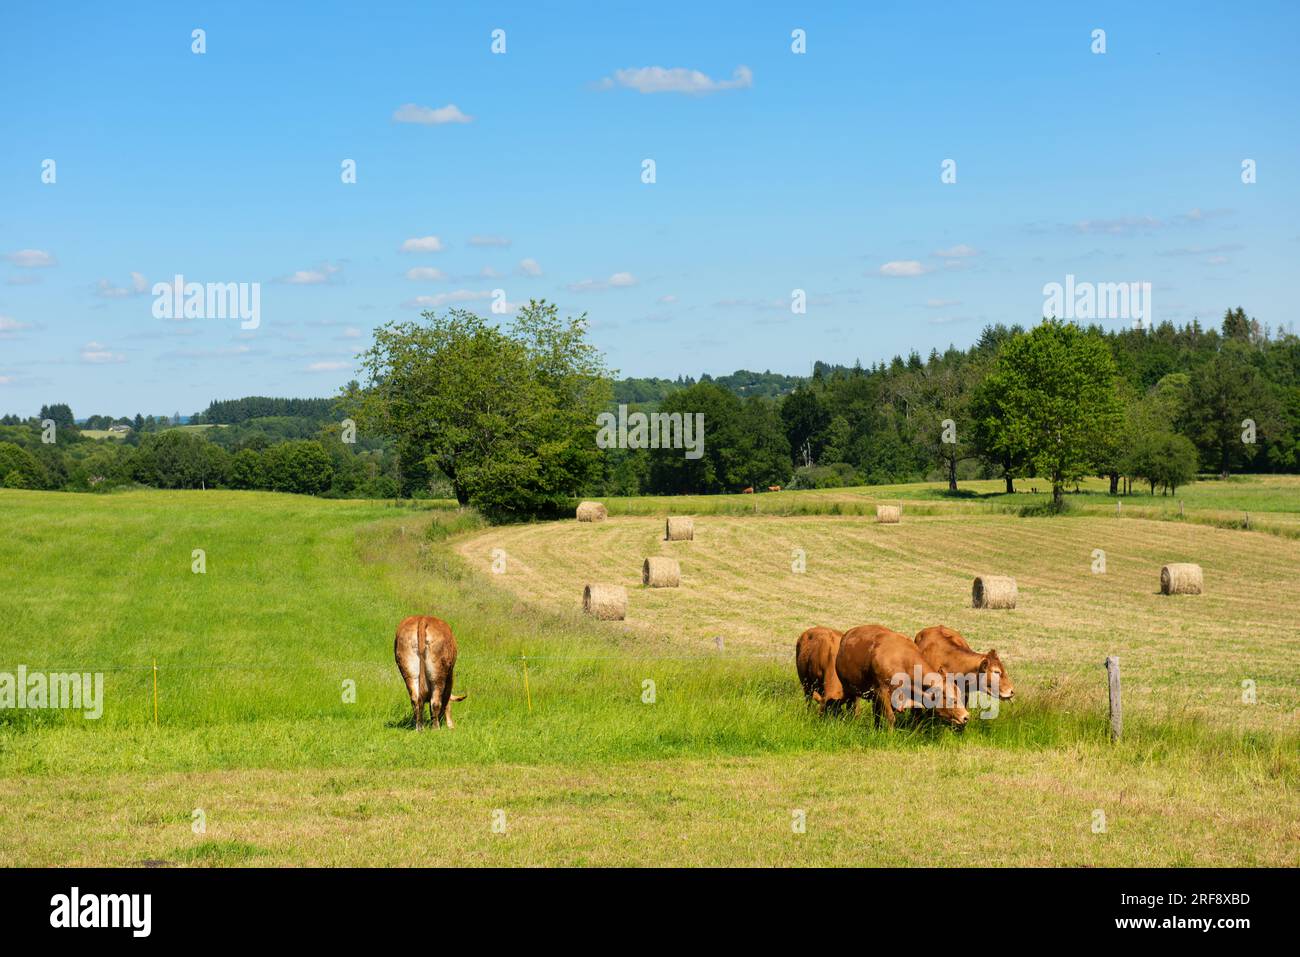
[1154, 407]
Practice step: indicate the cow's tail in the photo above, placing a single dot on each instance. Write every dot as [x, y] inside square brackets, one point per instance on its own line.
[420, 645]
[459, 697]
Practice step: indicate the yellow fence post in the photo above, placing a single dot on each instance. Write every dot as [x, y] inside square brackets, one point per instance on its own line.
[527, 690]
[155, 693]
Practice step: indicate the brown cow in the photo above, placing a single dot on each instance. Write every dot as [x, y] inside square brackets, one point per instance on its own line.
[947, 649]
[426, 656]
[887, 667]
[814, 659]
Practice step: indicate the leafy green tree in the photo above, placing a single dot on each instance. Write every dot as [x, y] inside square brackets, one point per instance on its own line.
[1163, 458]
[509, 417]
[19, 468]
[1057, 389]
[1225, 395]
[302, 467]
[744, 444]
[173, 459]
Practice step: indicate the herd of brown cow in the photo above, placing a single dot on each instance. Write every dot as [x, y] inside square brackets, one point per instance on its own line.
[933, 673]
[836, 668]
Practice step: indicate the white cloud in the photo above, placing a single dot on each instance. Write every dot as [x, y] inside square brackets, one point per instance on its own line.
[139, 286]
[445, 298]
[423, 244]
[97, 353]
[10, 327]
[430, 116]
[312, 277]
[328, 366]
[941, 303]
[620, 280]
[903, 267]
[530, 267]
[658, 79]
[31, 258]
[223, 353]
[960, 251]
[487, 272]
[669, 299]
[488, 241]
[425, 274]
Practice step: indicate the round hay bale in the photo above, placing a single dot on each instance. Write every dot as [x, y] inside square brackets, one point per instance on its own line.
[661, 572]
[606, 602]
[994, 591]
[679, 529]
[592, 512]
[1181, 578]
[889, 514]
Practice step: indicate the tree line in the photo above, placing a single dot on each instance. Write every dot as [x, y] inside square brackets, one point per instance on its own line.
[505, 418]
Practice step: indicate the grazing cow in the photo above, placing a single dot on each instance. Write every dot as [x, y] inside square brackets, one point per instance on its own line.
[887, 667]
[749, 491]
[946, 649]
[774, 488]
[426, 657]
[814, 659]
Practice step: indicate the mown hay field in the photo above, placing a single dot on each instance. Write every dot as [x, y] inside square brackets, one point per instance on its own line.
[757, 582]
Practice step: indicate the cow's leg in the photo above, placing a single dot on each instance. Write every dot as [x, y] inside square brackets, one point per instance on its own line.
[412, 679]
[446, 696]
[434, 680]
[885, 706]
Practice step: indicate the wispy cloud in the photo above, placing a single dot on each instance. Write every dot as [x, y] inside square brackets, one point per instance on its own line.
[960, 251]
[105, 289]
[11, 327]
[1203, 250]
[425, 274]
[903, 267]
[658, 79]
[96, 353]
[32, 258]
[430, 115]
[330, 366]
[446, 298]
[530, 267]
[312, 277]
[423, 244]
[489, 241]
[620, 280]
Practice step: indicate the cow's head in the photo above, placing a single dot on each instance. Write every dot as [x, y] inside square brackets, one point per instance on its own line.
[945, 696]
[995, 674]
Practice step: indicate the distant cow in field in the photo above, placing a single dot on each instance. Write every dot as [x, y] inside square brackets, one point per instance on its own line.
[774, 488]
[814, 659]
[887, 667]
[749, 491]
[946, 649]
[426, 656]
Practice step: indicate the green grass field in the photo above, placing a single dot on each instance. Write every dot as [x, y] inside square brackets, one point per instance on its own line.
[300, 598]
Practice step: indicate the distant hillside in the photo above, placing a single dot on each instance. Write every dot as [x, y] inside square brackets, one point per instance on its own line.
[742, 382]
[234, 411]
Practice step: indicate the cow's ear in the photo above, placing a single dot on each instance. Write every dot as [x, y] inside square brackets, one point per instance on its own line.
[984, 665]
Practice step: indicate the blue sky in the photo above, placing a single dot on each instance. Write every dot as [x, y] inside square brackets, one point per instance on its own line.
[774, 171]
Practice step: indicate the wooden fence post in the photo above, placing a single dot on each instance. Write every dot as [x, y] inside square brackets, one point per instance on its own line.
[1116, 708]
